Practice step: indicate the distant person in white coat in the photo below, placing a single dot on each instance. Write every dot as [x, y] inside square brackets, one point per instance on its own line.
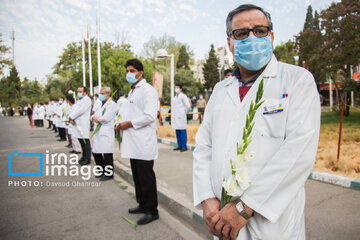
[181, 106]
[140, 140]
[103, 140]
[96, 104]
[60, 114]
[121, 103]
[80, 118]
[76, 148]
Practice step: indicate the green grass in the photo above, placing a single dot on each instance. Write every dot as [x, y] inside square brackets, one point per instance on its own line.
[353, 120]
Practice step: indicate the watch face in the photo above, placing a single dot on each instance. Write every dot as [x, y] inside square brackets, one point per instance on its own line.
[239, 207]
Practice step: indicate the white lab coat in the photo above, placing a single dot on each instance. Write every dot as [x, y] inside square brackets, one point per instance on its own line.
[103, 140]
[121, 104]
[181, 106]
[41, 113]
[140, 142]
[81, 115]
[97, 105]
[61, 111]
[284, 147]
[35, 114]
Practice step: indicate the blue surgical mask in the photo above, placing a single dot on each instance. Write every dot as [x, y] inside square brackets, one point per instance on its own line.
[60, 102]
[131, 77]
[101, 97]
[201, 97]
[79, 95]
[253, 53]
[177, 90]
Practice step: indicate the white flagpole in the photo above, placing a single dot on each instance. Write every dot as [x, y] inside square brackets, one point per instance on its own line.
[90, 69]
[83, 60]
[98, 44]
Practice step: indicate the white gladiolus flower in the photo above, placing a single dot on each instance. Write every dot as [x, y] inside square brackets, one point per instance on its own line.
[118, 119]
[231, 187]
[242, 178]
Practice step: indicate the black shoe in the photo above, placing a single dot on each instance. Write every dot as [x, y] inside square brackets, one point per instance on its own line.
[136, 210]
[69, 145]
[61, 140]
[85, 162]
[57, 135]
[105, 178]
[183, 150]
[99, 176]
[147, 218]
[176, 149]
[73, 151]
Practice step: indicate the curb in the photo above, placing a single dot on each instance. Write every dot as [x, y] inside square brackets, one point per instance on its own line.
[338, 180]
[174, 202]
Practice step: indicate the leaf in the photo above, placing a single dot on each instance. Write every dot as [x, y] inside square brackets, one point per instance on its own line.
[96, 130]
[130, 221]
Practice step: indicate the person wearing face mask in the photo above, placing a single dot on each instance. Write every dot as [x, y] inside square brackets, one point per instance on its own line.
[227, 73]
[60, 112]
[139, 142]
[181, 106]
[284, 138]
[80, 118]
[200, 105]
[103, 140]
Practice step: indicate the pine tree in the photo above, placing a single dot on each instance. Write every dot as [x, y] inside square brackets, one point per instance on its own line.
[309, 21]
[211, 69]
[184, 58]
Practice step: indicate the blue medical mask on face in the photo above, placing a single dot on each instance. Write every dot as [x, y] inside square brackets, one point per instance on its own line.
[79, 95]
[253, 53]
[131, 78]
[60, 102]
[177, 90]
[101, 97]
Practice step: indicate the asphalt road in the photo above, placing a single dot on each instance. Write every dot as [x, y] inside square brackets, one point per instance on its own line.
[55, 212]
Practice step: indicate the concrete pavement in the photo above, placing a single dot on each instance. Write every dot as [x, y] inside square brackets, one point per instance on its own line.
[74, 212]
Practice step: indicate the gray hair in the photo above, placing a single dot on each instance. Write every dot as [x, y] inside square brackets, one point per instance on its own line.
[107, 89]
[242, 8]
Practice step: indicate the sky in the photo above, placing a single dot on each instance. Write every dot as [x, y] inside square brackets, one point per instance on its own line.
[43, 28]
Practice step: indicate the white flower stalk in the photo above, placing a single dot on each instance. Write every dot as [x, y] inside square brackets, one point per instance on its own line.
[242, 178]
[231, 187]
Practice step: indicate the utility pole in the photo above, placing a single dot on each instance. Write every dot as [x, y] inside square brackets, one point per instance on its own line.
[90, 69]
[98, 43]
[12, 37]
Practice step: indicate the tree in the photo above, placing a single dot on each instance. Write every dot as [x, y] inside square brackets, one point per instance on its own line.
[184, 58]
[309, 20]
[3, 61]
[10, 88]
[211, 69]
[340, 24]
[185, 77]
[285, 52]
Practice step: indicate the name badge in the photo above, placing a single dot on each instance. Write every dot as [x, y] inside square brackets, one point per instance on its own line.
[273, 109]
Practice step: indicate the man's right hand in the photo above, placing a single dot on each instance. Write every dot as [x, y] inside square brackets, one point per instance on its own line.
[211, 207]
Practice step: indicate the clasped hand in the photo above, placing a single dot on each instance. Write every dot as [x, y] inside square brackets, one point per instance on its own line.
[225, 223]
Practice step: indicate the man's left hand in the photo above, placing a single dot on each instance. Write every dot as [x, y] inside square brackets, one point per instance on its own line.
[230, 221]
[96, 119]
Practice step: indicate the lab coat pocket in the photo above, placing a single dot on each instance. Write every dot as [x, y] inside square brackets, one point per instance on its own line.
[271, 118]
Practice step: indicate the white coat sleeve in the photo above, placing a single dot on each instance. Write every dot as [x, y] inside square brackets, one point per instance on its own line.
[287, 170]
[186, 102]
[202, 188]
[150, 109]
[109, 114]
[81, 109]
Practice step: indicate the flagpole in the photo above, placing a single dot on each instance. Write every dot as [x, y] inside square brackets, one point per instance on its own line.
[83, 60]
[90, 69]
[98, 44]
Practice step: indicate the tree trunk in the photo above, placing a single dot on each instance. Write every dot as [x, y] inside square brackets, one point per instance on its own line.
[347, 103]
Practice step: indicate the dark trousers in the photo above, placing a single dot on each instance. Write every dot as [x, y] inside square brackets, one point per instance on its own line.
[103, 160]
[41, 123]
[62, 133]
[181, 137]
[86, 149]
[145, 184]
[49, 122]
[54, 128]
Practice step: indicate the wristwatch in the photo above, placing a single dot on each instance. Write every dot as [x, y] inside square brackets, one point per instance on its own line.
[241, 210]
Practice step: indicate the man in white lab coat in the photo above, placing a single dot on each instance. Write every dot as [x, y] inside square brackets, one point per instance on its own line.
[76, 148]
[284, 142]
[181, 106]
[80, 118]
[96, 104]
[103, 140]
[121, 103]
[60, 112]
[140, 140]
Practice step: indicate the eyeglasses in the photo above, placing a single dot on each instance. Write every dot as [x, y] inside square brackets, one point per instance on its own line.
[242, 33]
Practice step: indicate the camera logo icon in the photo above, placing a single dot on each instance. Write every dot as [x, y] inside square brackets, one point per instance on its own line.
[17, 161]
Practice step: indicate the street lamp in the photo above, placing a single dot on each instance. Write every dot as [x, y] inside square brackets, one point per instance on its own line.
[162, 53]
